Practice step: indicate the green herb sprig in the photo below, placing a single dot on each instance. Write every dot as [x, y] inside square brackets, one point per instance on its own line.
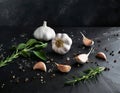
[32, 46]
[87, 74]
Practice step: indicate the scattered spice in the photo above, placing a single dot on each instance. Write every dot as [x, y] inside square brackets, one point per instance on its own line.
[38, 74]
[51, 59]
[50, 70]
[112, 51]
[118, 52]
[107, 69]
[20, 67]
[13, 76]
[41, 77]
[23, 70]
[41, 80]
[106, 49]
[112, 54]
[48, 61]
[53, 75]
[3, 85]
[98, 41]
[116, 34]
[26, 79]
[115, 61]
[68, 59]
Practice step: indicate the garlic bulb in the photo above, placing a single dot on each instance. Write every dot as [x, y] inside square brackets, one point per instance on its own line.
[40, 65]
[61, 43]
[87, 41]
[44, 32]
[63, 68]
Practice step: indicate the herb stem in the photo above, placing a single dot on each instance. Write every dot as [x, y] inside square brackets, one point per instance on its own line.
[9, 59]
[25, 49]
[92, 72]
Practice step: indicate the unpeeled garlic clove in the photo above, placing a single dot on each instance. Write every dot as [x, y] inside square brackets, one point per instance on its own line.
[101, 55]
[63, 68]
[40, 65]
[83, 58]
[87, 41]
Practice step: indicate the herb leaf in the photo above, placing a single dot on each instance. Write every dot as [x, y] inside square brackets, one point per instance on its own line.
[40, 54]
[21, 46]
[31, 42]
[41, 46]
[25, 53]
[25, 49]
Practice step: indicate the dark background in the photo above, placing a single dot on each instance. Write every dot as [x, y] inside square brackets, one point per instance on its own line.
[60, 13]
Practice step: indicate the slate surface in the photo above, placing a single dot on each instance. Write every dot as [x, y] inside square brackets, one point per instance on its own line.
[107, 82]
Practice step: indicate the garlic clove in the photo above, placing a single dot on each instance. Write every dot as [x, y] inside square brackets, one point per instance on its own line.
[101, 55]
[63, 68]
[87, 41]
[40, 65]
[66, 39]
[81, 58]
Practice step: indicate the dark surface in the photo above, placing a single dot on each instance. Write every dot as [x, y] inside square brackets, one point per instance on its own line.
[59, 13]
[108, 82]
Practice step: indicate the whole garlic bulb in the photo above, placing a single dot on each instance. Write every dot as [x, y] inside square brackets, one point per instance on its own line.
[61, 43]
[44, 32]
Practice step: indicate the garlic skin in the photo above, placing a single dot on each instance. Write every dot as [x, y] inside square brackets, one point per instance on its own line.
[40, 65]
[44, 32]
[61, 44]
[63, 68]
[101, 55]
[86, 41]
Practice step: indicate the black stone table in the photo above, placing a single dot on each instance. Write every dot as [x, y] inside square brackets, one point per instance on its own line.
[15, 80]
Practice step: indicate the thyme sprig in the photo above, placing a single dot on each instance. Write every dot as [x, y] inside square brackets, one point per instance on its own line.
[87, 74]
[32, 46]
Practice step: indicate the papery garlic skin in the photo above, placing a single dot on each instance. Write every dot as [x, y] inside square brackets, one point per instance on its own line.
[61, 43]
[44, 32]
